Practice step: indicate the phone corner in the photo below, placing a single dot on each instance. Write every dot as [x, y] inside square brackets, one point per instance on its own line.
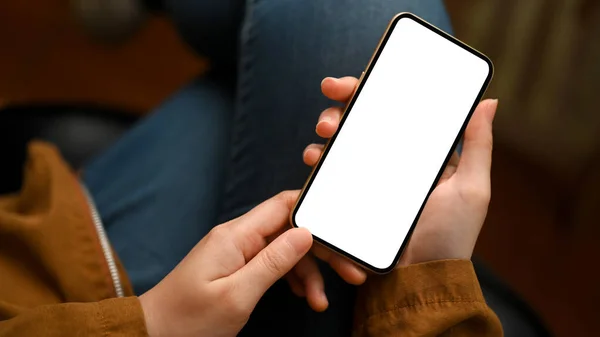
[386, 270]
[490, 66]
[292, 217]
[377, 270]
[404, 15]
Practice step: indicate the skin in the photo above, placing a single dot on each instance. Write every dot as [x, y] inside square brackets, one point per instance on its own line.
[213, 291]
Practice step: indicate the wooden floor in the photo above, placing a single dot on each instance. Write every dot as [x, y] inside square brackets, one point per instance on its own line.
[542, 230]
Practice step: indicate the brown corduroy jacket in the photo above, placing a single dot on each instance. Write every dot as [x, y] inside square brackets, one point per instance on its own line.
[59, 277]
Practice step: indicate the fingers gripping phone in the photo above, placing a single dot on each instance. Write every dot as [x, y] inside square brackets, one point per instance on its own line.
[413, 102]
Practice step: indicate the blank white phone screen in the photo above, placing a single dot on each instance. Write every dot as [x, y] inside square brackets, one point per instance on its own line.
[394, 141]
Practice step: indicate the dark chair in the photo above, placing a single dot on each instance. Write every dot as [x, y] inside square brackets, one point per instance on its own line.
[82, 132]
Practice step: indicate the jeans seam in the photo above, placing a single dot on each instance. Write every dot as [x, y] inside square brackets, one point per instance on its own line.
[240, 139]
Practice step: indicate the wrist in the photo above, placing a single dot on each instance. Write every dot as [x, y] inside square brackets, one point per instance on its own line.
[150, 316]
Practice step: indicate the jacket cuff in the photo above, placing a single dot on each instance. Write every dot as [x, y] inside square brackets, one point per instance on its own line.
[122, 317]
[409, 294]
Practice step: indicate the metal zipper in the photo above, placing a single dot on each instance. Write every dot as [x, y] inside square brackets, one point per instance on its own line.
[106, 249]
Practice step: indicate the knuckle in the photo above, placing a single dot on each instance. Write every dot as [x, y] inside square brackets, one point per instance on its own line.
[476, 195]
[283, 196]
[286, 198]
[488, 142]
[273, 262]
[334, 111]
[219, 232]
[485, 138]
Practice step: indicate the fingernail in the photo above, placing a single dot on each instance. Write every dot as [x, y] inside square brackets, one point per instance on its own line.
[492, 101]
[323, 120]
[300, 239]
[311, 146]
[329, 79]
[326, 118]
[361, 276]
[324, 300]
[494, 104]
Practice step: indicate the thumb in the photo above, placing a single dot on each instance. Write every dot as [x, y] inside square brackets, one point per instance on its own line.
[476, 159]
[272, 263]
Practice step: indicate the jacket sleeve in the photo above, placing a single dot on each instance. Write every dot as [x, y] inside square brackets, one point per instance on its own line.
[440, 298]
[112, 317]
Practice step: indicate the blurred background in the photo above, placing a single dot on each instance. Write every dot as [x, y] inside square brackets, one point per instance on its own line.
[542, 234]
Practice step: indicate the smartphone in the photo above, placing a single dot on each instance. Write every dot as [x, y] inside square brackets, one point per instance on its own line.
[399, 130]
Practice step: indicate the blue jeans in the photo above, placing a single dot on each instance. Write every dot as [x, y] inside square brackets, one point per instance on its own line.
[235, 137]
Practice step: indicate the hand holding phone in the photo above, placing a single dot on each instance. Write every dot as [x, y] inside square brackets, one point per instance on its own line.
[395, 138]
[453, 216]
